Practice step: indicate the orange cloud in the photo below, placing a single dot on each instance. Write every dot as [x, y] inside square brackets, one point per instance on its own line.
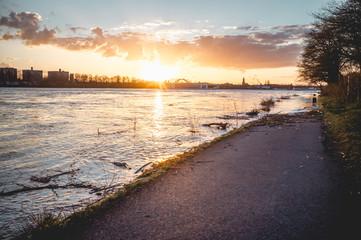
[7, 36]
[267, 49]
[5, 65]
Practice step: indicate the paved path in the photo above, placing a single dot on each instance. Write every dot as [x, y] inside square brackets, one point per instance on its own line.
[267, 183]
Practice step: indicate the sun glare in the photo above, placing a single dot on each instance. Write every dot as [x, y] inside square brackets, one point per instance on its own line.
[154, 71]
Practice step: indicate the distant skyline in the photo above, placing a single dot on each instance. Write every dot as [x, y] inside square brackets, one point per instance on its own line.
[213, 41]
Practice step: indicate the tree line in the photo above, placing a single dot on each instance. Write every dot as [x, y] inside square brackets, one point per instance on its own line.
[103, 78]
[332, 51]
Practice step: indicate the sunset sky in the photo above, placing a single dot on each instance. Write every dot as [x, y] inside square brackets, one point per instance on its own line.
[212, 41]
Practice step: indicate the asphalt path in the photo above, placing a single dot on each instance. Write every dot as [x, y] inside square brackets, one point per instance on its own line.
[270, 182]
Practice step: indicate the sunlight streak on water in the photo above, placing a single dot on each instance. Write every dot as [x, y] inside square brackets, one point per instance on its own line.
[158, 130]
[87, 132]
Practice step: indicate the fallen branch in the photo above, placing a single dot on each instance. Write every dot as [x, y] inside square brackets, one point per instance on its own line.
[231, 117]
[121, 164]
[49, 178]
[141, 168]
[54, 186]
[221, 126]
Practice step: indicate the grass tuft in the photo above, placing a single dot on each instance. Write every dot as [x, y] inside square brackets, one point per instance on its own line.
[267, 103]
[253, 112]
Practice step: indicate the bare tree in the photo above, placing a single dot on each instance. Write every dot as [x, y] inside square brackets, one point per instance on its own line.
[332, 51]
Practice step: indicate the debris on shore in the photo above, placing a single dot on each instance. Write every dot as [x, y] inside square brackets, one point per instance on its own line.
[47, 179]
[221, 126]
[121, 164]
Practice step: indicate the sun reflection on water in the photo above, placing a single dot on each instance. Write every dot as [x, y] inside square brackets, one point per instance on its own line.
[158, 117]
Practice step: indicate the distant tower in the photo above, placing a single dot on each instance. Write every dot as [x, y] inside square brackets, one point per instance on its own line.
[243, 82]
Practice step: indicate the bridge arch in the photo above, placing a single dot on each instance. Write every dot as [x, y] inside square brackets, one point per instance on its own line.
[182, 80]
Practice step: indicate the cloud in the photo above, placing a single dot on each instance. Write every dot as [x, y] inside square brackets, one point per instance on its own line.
[243, 52]
[277, 34]
[250, 28]
[268, 37]
[76, 29]
[148, 26]
[10, 58]
[262, 48]
[25, 21]
[28, 25]
[5, 65]
[230, 27]
[295, 30]
[7, 36]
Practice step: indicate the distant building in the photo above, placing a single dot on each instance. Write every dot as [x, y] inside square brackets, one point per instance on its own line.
[72, 77]
[58, 76]
[33, 77]
[8, 75]
[244, 82]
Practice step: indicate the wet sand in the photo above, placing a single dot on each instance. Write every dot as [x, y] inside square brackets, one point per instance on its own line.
[273, 181]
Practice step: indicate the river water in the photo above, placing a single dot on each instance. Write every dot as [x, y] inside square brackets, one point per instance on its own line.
[82, 136]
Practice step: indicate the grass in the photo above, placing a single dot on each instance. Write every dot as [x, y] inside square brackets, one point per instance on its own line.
[253, 112]
[342, 123]
[267, 103]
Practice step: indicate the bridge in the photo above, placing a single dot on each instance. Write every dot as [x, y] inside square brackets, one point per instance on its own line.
[182, 80]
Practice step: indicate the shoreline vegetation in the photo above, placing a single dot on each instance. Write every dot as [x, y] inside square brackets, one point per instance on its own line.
[331, 58]
[342, 124]
[47, 225]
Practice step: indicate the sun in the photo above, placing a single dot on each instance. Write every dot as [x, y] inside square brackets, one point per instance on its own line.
[154, 71]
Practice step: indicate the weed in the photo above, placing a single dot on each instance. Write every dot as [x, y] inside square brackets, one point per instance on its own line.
[253, 112]
[285, 97]
[193, 122]
[266, 108]
[267, 103]
[43, 225]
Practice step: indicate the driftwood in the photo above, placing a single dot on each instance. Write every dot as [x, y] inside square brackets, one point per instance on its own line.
[141, 168]
[231, 117]
[285, 97]
[221, 125]
[49, 178]
[55, 186]
[121, 164]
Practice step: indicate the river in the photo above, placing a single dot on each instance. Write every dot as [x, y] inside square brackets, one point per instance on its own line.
[83, 136]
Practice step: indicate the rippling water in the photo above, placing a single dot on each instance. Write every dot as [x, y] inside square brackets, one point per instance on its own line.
[85, 133]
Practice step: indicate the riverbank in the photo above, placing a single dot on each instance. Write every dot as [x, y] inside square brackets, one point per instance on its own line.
[276, 181]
